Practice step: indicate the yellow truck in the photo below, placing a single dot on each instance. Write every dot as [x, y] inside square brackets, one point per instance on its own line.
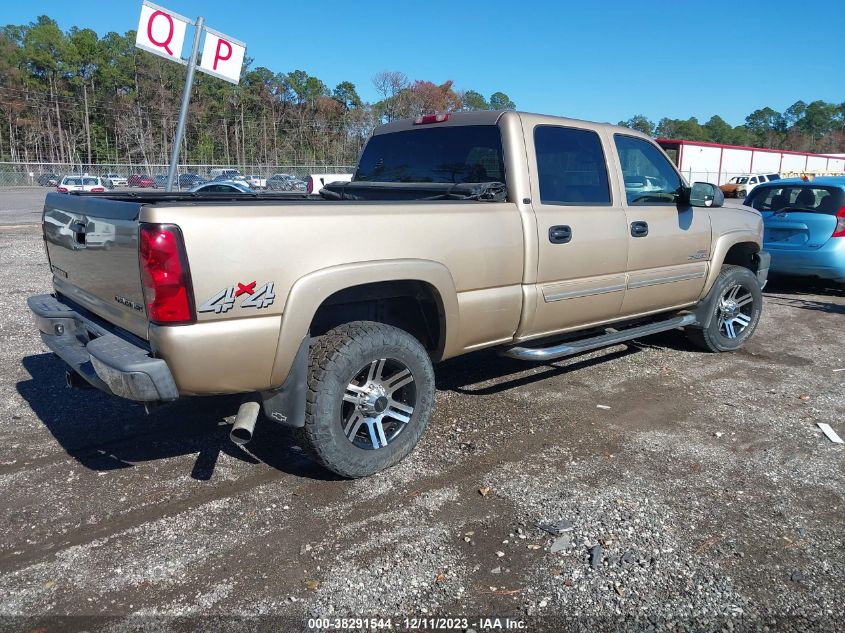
[530, 234]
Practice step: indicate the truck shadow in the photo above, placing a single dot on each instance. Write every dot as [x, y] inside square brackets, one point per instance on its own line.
[107, 433]
[791, 291]
[464, 373]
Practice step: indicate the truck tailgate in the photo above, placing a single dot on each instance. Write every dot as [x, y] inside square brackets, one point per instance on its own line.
[92, 247]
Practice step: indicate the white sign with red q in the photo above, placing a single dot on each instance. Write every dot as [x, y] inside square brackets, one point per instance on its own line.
[222, 56]
[161, 31]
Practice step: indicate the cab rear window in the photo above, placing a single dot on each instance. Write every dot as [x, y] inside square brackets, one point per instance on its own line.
[452, 154]
[806, 198]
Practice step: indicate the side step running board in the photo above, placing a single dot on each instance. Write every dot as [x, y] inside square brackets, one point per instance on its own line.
[604, 340]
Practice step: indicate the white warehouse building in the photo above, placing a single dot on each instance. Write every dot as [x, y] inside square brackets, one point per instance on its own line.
[716, 163]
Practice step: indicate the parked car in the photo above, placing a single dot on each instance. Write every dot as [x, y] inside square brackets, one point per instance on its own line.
[255, 181]
[741, 186]
[804, 226]
[93, 184]
[186, 181]
[223, 186]
[48, 180]
[228, 173]
[161, 181]
[230, 178]
[285, 182]
[501, 230]
[116, 179]
[315, 182]
[139, 180]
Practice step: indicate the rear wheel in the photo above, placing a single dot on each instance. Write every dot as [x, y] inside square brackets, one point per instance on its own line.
[735, 303]
[370, 396]
[740, 194]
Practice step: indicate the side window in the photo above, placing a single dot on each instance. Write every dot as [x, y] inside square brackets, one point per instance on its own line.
[571, 166]
[753, 180]
[649, 177]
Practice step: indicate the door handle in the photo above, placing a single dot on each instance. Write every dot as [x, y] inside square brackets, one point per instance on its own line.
[560, 234]
[639, 229]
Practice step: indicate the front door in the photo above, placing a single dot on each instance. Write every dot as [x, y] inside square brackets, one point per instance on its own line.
[668, 243]
[582, 229]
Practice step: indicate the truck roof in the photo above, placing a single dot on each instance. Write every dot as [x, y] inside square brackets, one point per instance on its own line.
[492, 117]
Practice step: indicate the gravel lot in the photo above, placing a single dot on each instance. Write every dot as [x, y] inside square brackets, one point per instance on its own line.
[704, 498]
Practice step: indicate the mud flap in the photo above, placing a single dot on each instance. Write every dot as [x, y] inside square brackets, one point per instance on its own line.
[286, 405]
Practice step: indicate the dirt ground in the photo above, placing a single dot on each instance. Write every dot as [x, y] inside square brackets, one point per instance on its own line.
[691, 491]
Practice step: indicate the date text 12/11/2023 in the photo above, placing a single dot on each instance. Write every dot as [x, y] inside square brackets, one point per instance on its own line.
[419, 624]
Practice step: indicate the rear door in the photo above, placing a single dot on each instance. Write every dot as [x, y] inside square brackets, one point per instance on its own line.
[798, 216]
[668, 243]
[92, 247]
[583, 249]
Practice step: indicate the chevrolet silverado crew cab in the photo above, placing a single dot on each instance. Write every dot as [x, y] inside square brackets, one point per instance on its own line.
[530, 234]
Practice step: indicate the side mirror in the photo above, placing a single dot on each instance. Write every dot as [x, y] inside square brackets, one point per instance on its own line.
[705, 194]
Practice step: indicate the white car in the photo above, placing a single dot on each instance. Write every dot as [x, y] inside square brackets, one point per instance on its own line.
[117, 180]
[318, 181]
[230, 174]
[93, 184]
[255, 181]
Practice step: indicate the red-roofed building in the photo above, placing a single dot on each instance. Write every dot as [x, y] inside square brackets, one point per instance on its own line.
[716, 163]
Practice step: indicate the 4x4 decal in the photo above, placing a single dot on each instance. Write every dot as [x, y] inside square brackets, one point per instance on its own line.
[223, 301]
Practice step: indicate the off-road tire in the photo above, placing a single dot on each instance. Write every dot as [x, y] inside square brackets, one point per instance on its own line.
[334, 359]
[710, 337]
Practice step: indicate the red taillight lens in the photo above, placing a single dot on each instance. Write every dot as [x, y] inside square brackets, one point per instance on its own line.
[61, 189]
[839, 231]
[310, 184]
[431, 118]
[165, 275]
[97, 190]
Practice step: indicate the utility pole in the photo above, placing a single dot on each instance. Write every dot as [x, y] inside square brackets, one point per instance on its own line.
[183, 110]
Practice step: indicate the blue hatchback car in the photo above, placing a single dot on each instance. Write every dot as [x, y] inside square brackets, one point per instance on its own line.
[804, 226]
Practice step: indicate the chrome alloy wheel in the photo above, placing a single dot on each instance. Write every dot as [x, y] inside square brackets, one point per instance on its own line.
[735, 310]
[378, 403]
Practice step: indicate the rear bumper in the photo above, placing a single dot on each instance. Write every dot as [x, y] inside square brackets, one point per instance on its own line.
[827, 262]
[105, 360]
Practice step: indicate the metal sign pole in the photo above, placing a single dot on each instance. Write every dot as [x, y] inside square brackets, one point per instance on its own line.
[183, 110]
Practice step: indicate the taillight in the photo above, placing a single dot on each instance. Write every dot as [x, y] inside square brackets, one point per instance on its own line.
[165, 275]
[431, 118]
[310, 184]
[61, 189]
[97, 190]
[839, 231]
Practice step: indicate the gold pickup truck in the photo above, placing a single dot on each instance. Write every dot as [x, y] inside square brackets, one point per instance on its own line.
[540, 236]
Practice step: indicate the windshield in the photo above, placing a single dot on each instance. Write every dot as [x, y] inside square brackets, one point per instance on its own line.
[741, 181]
[804, 198]
[457, 154]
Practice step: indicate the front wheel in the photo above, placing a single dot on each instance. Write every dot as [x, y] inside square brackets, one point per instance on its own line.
[370, 396]
[735, 302]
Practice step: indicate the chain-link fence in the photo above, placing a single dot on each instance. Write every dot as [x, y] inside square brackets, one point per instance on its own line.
[725, 177]
[49, 174]
[14, 174]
